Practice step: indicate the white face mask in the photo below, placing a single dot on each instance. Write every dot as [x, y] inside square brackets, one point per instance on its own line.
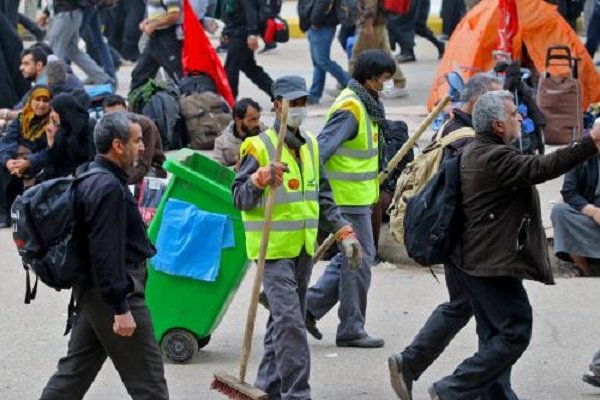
[296, 116]
[388, 86]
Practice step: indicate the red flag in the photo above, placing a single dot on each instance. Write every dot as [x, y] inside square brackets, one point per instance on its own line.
[198, 55]
[508, 25]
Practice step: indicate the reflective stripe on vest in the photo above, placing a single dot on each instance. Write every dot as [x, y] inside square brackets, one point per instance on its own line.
[295, 217]
[352, 169]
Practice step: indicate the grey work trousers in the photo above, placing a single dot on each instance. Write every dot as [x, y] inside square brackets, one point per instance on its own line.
[136, 358]
[349, 287]
[64, 40]
[284, 371]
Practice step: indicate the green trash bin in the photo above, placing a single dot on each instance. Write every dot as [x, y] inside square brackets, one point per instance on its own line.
[186, 311]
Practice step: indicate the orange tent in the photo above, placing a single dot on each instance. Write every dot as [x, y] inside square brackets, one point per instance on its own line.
[540, 25]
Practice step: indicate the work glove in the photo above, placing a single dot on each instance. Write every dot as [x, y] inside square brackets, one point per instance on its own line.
[270, 175]
[350, 246]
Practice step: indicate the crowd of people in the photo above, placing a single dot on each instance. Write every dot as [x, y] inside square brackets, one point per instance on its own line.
[325, 183]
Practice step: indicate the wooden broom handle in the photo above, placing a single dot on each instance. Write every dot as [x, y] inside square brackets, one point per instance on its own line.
[383, 175]
[262, 254]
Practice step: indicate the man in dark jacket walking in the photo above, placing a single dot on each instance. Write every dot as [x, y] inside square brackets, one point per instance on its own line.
[323, 23]
[450, 317]
[241, 35]
[114, 320]
[502, 243]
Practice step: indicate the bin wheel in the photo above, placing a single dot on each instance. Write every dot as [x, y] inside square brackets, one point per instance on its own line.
[202, 342]
[179, 345]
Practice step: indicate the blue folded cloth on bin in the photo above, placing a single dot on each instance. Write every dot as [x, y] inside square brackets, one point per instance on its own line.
[190, 241]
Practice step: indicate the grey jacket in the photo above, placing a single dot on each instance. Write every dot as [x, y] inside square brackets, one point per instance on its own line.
[227, 146]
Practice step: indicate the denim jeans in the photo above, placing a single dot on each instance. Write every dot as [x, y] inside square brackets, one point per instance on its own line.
[320, 51]
[91, 33]
[593, 32]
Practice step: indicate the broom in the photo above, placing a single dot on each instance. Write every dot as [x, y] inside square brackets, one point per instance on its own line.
[383, 175]
[231, 386]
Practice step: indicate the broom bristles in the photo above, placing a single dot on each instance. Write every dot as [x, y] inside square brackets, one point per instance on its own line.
[235, 389]
[228, 391]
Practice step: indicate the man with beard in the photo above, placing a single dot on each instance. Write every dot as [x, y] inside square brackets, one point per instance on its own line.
[246, 123]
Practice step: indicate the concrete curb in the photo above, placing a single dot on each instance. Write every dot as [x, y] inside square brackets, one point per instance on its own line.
[434, 23]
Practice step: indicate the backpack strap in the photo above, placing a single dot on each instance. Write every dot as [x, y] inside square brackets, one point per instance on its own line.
[30, 292]
[462, 133]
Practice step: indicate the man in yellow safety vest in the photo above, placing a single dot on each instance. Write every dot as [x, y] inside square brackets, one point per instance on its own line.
[304, 203]
[348, 147]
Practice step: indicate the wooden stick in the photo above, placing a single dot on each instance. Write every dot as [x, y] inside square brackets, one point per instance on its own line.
[392, 164]
[264, 245]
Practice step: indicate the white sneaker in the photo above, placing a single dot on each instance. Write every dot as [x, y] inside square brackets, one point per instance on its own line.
[396, 93]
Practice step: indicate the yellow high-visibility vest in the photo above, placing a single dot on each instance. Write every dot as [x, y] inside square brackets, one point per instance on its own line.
[295, 218]
[352, 170]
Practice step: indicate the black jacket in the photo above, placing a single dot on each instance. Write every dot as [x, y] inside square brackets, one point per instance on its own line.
[67, 5]
[502, 233]
[579, 187]
[323, 14]
[73, 142]
[241, 17]
[112, 233]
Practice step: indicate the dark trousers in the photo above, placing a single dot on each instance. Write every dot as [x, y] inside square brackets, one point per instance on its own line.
[421, 27]
[593, 32]
[401, 28]
[504, 321]
[91, 33]
[441, 327]
[241, 58]
[137, 358]
[122, 27]
[163, 50]
[451, 13]
[10, 188]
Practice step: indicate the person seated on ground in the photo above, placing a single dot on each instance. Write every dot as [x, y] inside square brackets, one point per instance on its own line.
[69, 137]
[246, 123]
[56, 72]
[33, 69]
[34, 64]
[150, 164]
[576, 222]
[22, 148]
[72, 79]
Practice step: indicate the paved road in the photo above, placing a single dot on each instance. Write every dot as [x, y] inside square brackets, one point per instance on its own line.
[566, 316]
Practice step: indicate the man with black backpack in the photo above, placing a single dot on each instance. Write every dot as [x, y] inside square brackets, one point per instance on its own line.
[112, 318]
[450, 317]
[500, 243]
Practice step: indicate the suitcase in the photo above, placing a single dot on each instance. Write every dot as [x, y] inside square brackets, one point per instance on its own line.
[559, 97]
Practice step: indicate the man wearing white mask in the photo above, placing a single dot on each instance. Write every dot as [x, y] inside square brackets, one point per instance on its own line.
[303, 204]
[348, 147]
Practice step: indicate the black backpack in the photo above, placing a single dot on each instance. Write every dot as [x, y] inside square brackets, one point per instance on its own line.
[44, 222]
[433, 216]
